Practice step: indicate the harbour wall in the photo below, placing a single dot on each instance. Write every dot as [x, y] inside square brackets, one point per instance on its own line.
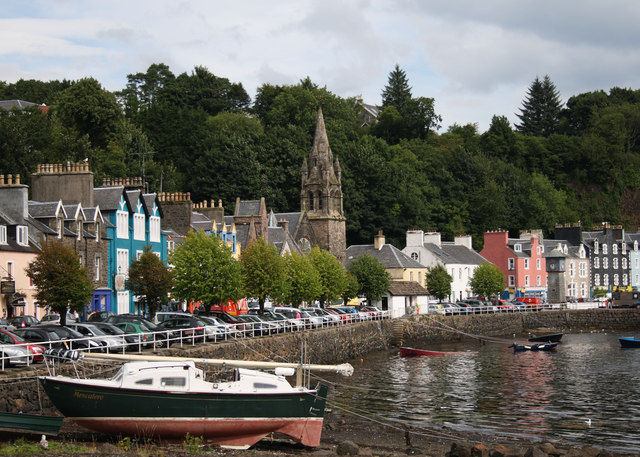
[20, 391]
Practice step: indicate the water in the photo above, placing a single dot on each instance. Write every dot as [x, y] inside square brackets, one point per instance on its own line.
[537, 395]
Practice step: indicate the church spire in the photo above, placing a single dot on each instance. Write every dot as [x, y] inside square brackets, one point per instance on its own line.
[321, 149]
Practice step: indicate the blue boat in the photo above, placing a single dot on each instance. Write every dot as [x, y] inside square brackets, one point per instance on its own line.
[534, 347]
[629, 342]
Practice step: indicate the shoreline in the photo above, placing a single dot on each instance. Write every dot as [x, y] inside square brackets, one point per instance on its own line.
[342, 435]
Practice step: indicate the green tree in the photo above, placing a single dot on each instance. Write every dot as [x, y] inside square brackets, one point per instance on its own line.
[540, 112]
[303, 283]
[351, 288]
[62, 283]
[150, 280]
[263, 270]
[439, 282]
[487, 280]
[331, 272]
[397, 92]
[373, 278]
[205, 270]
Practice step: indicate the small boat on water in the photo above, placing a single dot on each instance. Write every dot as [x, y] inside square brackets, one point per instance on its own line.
[629, 342]
[534, 347]
[553, 338]
[409, 352]
[168, 398]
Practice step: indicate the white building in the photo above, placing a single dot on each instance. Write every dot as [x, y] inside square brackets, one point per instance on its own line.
[458, 257]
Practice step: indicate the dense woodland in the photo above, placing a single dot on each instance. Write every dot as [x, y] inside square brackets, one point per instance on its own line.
[201, 133]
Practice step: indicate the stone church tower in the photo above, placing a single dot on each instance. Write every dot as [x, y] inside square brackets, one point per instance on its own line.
[321, 198]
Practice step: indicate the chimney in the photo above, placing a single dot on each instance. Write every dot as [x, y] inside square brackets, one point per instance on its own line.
[378, 241]
[433, 238]
[463, 240]
[284, 224]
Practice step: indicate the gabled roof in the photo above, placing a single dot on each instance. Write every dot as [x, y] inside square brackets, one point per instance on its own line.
[200, 222]
[74, 211]
[150, 200]
[406, 288]
[46, 210]
[388, 255]
[451, 253]
[108, 198]
[133, 196]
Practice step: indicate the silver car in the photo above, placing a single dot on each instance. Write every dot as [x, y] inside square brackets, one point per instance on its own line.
[12, 354]
[110, 343]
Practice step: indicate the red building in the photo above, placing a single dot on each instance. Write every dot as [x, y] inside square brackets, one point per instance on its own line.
[520, 259]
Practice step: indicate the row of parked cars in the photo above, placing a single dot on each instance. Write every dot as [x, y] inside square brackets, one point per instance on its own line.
[24, 339]
[476, 306]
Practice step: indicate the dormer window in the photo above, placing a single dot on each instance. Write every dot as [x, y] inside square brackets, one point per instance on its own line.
[3, 234]
[60, 227]
[22, 235]
[517, 248]
[595, 247]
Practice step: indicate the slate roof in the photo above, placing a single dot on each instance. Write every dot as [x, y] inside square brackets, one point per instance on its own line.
[248, 208]
[200, 222]
[242, 234]
[149, 200]
[450, 253]
[292, 218]
[406, 288]
[44, 209]
[388, 255]
[107, 198]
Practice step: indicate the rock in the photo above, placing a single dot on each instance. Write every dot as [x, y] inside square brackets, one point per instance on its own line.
[583, 452]
[535, 452]
[605, 454]
[550, 449]
[459, 450]
[479, 450]
[347, 448]
[504, 451]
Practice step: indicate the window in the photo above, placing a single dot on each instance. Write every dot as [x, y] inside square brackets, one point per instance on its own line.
[526, 264]
[22, 235]
[145, 382]
[614, 249]
[3, 234]
[625, 280]
[122, 224]
[582, 269]
[420, 277]
[538, 264]
[616, 280]
[512, 281]
[97, 264]
[97, 228]
[81, 259]
[596, 279]
[177, 382]
[138, 254]
[637, 279]
[10, 269]
[123, 261]
[637, 262]
[624, 263]
[538, 250]
[517, 248]
[635, 245]
[60, 226]
[526, 280]
[605, 280]
[411, 276]
[414, 256]
[138, 226]
[572, 269]
[595, 247]
[511, 263]
[538, 280]
[596, 262]
[604, 248]
[572, 289]
[583, 290]
[615, 263]
[605, 262]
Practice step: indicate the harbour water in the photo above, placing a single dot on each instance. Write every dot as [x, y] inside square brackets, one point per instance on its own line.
[585, 393]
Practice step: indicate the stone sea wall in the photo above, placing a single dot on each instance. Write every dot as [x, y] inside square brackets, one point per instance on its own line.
[20, 391]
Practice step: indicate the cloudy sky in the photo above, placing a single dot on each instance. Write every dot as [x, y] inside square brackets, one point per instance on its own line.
[475, 58]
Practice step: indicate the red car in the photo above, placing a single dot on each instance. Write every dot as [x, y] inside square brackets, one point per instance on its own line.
[7, 337]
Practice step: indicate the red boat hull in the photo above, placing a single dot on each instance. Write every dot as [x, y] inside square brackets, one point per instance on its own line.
[408, 352]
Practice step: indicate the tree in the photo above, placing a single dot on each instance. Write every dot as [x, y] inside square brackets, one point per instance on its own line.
[397, 91]
[372, 277]
[303, 283]
[439, 282]
[62, 283]
[351, 287]
[150, 280]
[205, 270]
[540, 112]
[331, 272]
[487, 280]
[263, 270]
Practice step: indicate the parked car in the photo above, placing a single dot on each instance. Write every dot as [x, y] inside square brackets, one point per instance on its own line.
[293, 315]
[75, 339]
[161, 336]
[355, 315]
[188, 328]
[223, 330]
[100, 316]
[283, 323]
[345, 317]
[162, 316]
[327, 317]
[110, 343]
[376, 312]
[435, 308]
[464, 307]
[24, 321]
[257, 326]
[54, 318]
[110, 329]
[224, 317]
[12, 354]
[43, 336]
[143, 337]
[5, 324]
[8, 337]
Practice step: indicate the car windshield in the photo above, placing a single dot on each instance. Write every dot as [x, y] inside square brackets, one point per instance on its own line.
[18, 338]
[110, 330]
[96, 330]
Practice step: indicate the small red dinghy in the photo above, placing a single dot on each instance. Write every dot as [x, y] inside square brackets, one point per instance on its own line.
[409, 352]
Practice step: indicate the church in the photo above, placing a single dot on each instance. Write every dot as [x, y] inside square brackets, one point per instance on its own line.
[320, 222]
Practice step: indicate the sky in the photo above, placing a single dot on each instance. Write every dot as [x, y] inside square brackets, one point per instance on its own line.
[476, 59]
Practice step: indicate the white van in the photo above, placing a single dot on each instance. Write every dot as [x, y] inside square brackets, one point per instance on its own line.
[293, 315]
